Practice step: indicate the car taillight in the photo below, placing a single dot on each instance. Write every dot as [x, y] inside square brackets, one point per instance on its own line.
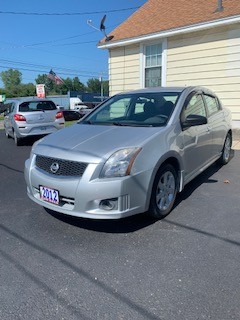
[19, 117]
[59, 115]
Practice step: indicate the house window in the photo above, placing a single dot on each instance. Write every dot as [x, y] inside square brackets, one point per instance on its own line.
[153, 65]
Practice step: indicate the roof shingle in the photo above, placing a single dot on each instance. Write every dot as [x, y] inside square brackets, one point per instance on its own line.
[161, 15]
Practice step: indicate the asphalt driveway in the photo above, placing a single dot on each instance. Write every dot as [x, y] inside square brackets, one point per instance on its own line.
[185, 267]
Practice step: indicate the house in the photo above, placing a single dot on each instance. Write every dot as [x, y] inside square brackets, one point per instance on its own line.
[179, 42]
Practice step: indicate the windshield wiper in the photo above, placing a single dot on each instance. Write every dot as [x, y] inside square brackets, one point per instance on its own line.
[86, 122]
[119, 124]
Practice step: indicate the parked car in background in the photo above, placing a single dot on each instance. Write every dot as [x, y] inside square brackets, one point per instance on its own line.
[131, 154]
[71, 115]
[2, 107]
[86, 110]
[31, 117]
[79, 106]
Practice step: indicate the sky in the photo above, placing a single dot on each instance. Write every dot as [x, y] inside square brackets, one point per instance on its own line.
[65, 40]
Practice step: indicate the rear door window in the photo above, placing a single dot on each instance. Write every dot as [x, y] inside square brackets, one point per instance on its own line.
[212, 104]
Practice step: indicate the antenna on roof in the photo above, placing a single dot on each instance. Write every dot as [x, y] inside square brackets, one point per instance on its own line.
[220, 6]
[103, 29]
[89, 22]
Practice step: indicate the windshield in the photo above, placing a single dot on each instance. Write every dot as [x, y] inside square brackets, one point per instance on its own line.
[145, 109]
[37, 106]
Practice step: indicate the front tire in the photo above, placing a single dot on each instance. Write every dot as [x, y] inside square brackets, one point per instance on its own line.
[164, 192]
[226, 151]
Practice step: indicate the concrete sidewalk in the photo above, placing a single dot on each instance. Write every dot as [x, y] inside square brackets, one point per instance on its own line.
[236, 139]
[235, 143]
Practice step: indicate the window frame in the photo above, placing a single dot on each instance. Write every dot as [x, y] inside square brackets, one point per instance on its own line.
[189, 97]
[163, 66]
[206, 104]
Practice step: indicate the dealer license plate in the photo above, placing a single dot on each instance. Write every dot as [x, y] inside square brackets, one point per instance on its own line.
[49, 195]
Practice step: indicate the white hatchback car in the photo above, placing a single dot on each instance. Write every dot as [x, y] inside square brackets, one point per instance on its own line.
[31, 117]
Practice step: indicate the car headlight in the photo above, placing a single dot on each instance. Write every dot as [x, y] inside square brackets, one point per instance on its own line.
[120, 163]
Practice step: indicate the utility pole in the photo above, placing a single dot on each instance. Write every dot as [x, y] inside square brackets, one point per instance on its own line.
[101, 82]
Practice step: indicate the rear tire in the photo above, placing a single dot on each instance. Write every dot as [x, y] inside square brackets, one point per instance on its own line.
[16, 139]
[7, 134]
[226, 151]
[164, 192]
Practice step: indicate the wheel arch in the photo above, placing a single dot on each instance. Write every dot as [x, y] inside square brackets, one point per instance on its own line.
[174, 160]
[231, 134]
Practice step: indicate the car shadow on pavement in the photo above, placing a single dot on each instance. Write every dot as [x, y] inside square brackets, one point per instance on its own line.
[28, 141]
[136, 222]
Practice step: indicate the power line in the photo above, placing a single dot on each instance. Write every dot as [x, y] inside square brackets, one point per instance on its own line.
[66, 14]
[44, 71]
[56, 40]
[24, 63]
[73, 43]
[42, 43]
[46, 42]
[62, 54]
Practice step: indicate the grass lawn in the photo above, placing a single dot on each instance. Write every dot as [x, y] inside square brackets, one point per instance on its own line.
[69, 123]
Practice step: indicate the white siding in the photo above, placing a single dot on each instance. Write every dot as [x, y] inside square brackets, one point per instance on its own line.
[210, 58]
[124, 69]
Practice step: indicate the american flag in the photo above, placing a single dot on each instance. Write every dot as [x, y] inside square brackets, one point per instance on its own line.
[52, 76]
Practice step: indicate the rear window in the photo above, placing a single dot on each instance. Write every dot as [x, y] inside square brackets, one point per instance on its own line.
[37, 106]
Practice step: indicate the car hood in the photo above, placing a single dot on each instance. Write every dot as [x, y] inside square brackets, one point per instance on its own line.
[93, 142]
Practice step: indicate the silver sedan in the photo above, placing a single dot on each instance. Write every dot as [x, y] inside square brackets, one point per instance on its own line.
[131, 154]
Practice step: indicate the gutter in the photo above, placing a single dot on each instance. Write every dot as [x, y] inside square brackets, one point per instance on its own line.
[172, 32]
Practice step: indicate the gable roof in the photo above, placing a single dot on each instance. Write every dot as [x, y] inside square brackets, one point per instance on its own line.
[161, 15]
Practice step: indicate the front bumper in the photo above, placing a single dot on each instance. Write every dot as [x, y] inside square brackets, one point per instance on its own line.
[87, 196]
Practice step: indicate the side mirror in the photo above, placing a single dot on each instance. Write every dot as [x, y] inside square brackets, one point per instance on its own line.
[194, 120]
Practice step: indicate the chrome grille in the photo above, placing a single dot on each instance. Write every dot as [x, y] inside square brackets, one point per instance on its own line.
[66, 167]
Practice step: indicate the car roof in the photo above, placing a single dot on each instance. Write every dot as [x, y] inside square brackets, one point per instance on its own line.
[20, 100]
[175, 89]
[157, 89]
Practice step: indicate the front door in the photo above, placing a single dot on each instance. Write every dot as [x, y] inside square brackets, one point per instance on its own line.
[197, 140]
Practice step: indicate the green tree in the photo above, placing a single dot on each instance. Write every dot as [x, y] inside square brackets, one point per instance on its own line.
[106, 87]
[49, 84]
[11, 78]
[68, 85]
[14, 88]
[94, 85]
[27, 90]
[77, 85]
